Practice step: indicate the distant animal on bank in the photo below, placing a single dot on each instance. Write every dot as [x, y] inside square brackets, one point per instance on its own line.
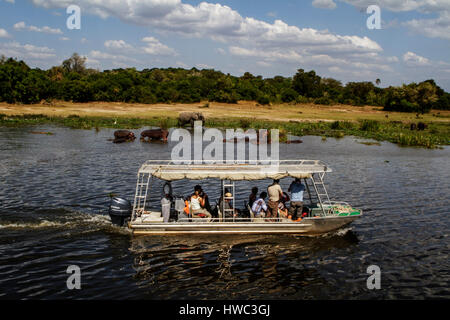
[421, 126]
[155, 134]
[189, 118]
[123, 136]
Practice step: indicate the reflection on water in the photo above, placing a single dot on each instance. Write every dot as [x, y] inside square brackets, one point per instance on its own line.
[53, 196]
[234, 266]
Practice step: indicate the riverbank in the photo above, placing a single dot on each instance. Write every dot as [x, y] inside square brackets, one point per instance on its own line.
[299, 120]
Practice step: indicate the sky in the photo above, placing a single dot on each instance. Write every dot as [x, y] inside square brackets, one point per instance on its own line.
[263, 37]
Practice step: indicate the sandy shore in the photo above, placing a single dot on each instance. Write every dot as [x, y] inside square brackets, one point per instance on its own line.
[244, 109]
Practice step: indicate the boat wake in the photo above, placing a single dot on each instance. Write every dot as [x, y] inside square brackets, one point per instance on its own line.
[67, 220]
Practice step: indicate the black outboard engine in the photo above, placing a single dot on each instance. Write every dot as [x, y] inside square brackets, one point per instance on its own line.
[120, 211]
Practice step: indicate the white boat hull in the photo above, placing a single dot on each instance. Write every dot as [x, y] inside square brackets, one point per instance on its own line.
[308, 226]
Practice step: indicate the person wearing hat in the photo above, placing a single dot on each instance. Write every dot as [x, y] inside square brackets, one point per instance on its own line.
[225, 203]
[198, 204]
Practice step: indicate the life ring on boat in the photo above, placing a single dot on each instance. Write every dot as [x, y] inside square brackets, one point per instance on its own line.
[167, 188]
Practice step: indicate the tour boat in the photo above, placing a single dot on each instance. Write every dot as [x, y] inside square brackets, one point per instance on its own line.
[321, 214]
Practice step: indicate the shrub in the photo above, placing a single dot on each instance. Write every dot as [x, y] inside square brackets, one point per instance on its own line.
[263, 99]
[288, 95]
[341, 125]
[323, 101]
[370, 125]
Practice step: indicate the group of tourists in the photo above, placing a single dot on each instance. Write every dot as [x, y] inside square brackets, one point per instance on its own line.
[198, 206]
[276, 205]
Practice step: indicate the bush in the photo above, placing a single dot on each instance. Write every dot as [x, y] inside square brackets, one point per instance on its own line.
[263, 99]
[323, 100]
[288, 95]
[301, 99]
[370, 125]
[341, 125]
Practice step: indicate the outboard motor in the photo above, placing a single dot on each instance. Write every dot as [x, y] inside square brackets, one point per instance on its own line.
[120, 211]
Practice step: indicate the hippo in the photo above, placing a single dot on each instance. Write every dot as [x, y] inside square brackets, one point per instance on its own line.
[123, 136]
[155, 134]
[189, 118]
[421, 126]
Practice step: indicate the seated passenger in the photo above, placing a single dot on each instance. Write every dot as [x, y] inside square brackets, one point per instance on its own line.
[198, 203]
[226, 204]
[282, 209]
[253, 196]
[205, 197]
[259, 207]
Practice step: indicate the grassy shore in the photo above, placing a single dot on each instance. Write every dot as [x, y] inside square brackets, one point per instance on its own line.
[327, 121]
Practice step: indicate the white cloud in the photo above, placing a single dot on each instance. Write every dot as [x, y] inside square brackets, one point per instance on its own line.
[425, 6]
[117, 44]
[203, 66]
[324, 4]
[20, 26]
[154, 47]
[412, 59]
[181, 64]
[263, 64]
[26, 52]
[433, 28]
[64, 39]
[4, 33]
[218, 22]
[220, 51]
[438, 27]
[96, 55]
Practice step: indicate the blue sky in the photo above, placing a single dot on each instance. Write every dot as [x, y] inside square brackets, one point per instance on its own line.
[263, 37]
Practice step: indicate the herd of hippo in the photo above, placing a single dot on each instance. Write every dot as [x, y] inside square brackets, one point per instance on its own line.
[147, 135]
[158, 134]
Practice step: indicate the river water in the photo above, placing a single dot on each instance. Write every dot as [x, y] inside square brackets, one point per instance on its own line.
[53, 204]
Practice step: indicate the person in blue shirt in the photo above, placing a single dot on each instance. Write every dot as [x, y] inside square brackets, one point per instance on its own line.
[296, 189]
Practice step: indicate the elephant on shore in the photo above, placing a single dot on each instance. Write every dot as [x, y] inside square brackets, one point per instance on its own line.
[155, 134]
[123, 136]
[189, 118]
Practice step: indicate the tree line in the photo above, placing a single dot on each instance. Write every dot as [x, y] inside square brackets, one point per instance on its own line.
[72, 81]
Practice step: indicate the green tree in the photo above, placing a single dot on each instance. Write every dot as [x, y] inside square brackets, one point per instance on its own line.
[75, 64]
[307, 84]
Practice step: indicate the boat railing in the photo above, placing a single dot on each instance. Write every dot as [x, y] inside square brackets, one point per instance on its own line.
[336, 203]
[232, 220]
[235, 162]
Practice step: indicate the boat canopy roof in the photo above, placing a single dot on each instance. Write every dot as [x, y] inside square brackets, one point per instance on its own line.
[256, 170]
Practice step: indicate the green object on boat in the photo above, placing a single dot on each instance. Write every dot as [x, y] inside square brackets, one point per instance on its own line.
[355, 213]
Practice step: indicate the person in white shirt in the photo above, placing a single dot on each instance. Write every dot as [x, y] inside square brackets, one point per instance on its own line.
[197, 204]
[259, 207]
